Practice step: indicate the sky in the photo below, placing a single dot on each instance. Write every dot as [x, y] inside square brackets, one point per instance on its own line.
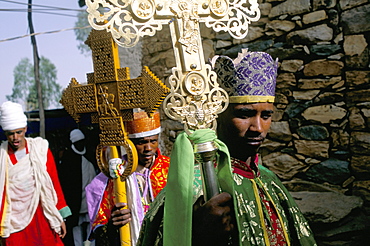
[60, 47]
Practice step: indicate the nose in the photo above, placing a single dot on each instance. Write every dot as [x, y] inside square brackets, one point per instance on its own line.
[256, 124]
[16, 136]
[148, 147]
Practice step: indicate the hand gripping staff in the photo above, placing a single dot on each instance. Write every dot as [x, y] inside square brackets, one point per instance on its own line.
[113, 166]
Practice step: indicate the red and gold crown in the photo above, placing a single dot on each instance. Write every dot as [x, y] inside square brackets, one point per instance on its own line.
[143, 126]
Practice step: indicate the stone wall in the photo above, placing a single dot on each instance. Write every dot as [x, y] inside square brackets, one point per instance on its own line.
[320, 137]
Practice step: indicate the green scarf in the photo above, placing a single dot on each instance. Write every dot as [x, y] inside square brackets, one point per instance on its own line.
[178, 207]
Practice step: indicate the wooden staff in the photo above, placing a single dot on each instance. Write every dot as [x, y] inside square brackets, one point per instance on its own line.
[120, 189]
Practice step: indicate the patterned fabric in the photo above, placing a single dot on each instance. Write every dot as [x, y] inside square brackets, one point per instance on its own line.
[158, 174]
[252, 75]
[275, 232]
[158, 177]
[267, 213]
[106, 205]
[271, 225]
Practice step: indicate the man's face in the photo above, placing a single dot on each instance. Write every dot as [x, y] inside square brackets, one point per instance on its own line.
[146, 149]
[243, 127]
[16, 138]
[80, 144]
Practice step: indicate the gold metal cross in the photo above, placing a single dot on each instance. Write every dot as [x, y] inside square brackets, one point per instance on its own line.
[110, 95]
[195, 98]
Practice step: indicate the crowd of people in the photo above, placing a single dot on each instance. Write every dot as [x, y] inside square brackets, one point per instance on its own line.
[72, 203]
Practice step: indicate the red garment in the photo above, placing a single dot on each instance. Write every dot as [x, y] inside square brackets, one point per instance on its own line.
[38, 232]
[158, 178]
[159, 172]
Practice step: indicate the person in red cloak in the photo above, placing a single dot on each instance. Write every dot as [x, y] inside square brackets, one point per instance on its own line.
[32, 205]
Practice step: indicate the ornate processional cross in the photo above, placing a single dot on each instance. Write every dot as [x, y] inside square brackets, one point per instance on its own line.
[110, 95]
[195, 97]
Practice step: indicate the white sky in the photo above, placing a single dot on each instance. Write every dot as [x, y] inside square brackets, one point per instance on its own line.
[60, 48]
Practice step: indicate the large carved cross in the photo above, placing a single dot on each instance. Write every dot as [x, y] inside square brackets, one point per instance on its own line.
[195, 98]
[109, 96]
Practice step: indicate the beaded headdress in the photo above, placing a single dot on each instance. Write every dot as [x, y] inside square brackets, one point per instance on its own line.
[250, 78]
[142, 125]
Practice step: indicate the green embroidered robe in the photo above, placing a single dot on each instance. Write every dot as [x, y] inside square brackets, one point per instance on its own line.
[251, 213]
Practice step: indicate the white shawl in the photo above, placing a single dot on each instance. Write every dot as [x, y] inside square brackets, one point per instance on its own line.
[27, 183]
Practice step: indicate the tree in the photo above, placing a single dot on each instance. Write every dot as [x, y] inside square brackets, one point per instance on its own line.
[24, 89]
[83, 33]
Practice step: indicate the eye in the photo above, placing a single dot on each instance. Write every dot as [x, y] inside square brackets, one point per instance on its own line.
[266, 115]
[245, 114]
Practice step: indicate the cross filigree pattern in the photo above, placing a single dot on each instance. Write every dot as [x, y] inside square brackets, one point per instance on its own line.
[195, 98]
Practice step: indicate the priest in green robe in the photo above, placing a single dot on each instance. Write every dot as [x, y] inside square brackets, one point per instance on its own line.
[253, 207]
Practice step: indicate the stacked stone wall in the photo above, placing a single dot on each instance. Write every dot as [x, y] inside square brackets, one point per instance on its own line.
[320, 135]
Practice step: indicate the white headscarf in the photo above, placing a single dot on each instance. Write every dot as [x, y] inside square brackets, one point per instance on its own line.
[12, 116]
[76, 135]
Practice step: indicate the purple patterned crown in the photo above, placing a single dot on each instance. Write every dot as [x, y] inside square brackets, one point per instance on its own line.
[250, 78]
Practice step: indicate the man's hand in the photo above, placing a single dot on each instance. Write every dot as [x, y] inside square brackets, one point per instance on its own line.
[63, 230]
[120, 216]
[213, 221]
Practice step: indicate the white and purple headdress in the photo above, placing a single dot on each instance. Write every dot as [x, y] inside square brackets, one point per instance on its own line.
[250, 78]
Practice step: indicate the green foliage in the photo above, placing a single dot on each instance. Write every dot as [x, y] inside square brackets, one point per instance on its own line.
[81, 3]
[82, 34]
[25, 90]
